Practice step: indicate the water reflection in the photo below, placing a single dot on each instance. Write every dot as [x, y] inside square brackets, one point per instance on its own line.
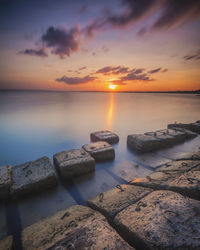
[110, 111]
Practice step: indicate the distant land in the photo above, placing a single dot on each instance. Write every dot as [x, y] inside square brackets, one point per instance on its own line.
[164, 92]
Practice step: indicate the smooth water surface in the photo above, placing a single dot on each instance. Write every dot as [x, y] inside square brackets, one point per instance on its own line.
[34, 124]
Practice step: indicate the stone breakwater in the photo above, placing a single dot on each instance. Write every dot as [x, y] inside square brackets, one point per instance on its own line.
[159, 211]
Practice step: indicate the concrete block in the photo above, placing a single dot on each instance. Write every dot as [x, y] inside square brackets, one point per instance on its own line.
[194, 127]
[143, 143]
[33, 176]
[113, 201]
[6, 243]
[100, 151]
[106, 135]
[5, 181]
[75, 228]
[161, 220]
[73, 163]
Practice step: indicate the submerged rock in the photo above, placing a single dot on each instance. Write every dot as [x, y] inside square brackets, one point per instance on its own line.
[195, 156]
[6, 243]
[105, 135]
[73, 163]
[113, 201]
[33, 176]
[77, 227]
[100, 151]
[5, 181]
[161, 220]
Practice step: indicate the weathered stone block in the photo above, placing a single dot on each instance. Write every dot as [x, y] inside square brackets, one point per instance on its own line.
[6, 243]
[187, 184]
[100, 151]
[73, 163]
[5, 181]
[161, 178]
[106, 135]
[143, 143]
[113, 201]
[33, 176]
[194, 127]
[161, 220]
[75, 228]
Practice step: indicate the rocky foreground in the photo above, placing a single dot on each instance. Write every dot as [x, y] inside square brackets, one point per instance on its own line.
[160, 211]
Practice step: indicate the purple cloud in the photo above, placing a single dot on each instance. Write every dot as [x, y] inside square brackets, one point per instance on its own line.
[35, 52]
[75, 80]
[154, 71]
[194, 56]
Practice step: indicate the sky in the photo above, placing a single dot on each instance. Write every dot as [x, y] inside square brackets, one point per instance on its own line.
[89, 45]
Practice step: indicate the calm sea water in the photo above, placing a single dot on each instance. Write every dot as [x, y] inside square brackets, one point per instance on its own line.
[34, 124]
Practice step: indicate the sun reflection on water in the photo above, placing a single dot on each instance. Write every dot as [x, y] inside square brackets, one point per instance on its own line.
[110, 112]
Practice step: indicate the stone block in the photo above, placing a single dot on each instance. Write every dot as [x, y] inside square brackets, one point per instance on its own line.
[100, 151]
[161, 220]
[113, 201]
[33, 176]
[143, 143]
[161, 178]
[77, 227]
[106, 135]
[6, 243]
[5, 181]
[194, 127]
[73, 163]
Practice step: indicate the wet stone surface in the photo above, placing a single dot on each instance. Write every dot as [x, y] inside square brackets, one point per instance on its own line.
[6, 243]
[105, 135]
[161, 178]
[77, 227]
[33, 176]
[5, 181]
[100, 151]
[161, 220]
[73, 163]
[113, 201]
[3, 223]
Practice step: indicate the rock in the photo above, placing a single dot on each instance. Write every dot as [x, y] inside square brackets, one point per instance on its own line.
[194, 127]
[77, 227]
[100, 151]
[195, 156]
[143, 143]
[3, 221]
[161, 178]
[73, 163]
[156, 140]
[161, 220]
[33, 176]
[5, 181]
[6, 243]
[113, 201]
[104, 136]
[187, 184]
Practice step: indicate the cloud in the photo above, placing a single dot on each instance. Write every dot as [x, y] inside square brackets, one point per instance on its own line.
[164, 70]
[113, 70]
[35, 52]
[154, 71]
[76, 80]
[176, 12]
[82, 68]
[62, 42]
[135, 77]
[194, 56]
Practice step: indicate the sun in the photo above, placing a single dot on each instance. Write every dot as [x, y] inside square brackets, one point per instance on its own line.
[112, 86]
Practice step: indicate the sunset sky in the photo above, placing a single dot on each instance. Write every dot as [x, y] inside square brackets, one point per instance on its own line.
[137, 45]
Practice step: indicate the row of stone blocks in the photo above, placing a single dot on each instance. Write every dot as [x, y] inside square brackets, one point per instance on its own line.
[161, 211]
[40, 174]
[150, 141]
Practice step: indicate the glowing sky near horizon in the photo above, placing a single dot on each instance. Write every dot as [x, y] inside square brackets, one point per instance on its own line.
[145, 45]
